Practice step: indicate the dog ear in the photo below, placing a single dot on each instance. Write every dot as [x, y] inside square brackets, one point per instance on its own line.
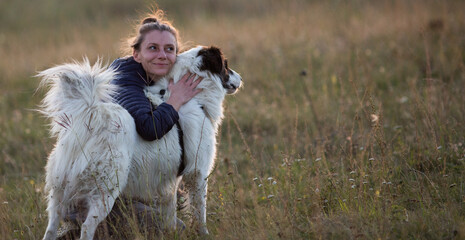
[212, 60]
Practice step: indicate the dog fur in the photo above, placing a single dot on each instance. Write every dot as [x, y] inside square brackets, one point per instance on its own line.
[90, 163]
[99, 155]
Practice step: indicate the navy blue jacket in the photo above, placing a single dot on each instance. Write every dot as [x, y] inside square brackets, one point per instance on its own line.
[151, 123]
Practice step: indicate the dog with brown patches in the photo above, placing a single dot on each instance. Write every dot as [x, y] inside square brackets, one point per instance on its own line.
[199, 122]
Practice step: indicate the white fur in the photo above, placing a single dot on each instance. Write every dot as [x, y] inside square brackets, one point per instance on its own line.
[99, 153]
[90, 162]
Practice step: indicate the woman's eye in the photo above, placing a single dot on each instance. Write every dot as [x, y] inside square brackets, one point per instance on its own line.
[170, 49]
[153, 48]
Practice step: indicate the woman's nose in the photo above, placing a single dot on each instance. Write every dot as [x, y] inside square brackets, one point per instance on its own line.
[162, 54]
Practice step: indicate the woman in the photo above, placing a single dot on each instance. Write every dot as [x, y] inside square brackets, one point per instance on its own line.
[154, 51]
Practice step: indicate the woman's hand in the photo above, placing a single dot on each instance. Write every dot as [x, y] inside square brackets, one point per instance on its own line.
[183, 90]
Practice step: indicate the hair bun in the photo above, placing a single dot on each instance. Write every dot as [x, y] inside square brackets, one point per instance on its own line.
[149, 20]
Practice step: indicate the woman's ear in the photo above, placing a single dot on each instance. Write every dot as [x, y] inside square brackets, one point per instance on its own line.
[135, 54]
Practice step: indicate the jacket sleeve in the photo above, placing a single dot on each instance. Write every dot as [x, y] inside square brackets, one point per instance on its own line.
[150, 124]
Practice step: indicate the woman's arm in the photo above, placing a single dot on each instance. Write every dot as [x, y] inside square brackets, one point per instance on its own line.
[150, 124]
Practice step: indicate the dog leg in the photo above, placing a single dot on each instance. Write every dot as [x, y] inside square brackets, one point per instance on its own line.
[53, 220]
[197, 187]
[98, 211]
[167, 210]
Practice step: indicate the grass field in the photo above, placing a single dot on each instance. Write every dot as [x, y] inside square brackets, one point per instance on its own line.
[350, 124]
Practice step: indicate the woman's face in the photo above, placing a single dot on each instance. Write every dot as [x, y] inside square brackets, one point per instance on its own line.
[157, 53]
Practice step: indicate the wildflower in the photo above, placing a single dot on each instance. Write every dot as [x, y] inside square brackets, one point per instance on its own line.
[439, 147]
[274, 183]
[333, 79]
[317, 190]
[403, 99]
[353, 172]
[365, 182]
[351, 180]
[377, 193]
[255, 179]
[270, 196]
[353, 186]
[318, 159]
[374, 118]
[270, 178]
[260, 185]
[31, 182]
[371, 159]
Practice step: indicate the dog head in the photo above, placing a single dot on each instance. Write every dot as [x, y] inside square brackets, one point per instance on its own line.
[214, 62]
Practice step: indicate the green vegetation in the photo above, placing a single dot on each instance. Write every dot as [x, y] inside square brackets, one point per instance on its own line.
[350, 124]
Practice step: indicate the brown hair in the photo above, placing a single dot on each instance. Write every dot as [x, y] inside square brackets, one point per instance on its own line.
[153, 21]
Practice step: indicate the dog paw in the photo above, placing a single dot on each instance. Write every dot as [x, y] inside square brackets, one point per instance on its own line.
[49, 235]
[203, 231]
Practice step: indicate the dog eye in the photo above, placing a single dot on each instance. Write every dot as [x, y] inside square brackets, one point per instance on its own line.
[162, 92]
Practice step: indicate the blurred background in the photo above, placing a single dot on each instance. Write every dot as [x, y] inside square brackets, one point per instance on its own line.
[350, 123]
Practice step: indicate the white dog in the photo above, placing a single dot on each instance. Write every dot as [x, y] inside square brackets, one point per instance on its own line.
[99, 155]
[89, 165]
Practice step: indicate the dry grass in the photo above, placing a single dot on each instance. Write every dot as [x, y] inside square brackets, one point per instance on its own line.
[349, 126]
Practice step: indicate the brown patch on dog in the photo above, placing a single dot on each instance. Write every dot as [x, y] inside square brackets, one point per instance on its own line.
[214, 61]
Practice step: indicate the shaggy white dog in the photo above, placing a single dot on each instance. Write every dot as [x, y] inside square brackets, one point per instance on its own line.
[89, 165]
[99, 155]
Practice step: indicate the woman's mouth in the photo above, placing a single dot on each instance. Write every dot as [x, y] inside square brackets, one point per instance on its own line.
[161, 64]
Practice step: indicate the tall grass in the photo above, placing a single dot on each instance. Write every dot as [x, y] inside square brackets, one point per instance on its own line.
[349, 125]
